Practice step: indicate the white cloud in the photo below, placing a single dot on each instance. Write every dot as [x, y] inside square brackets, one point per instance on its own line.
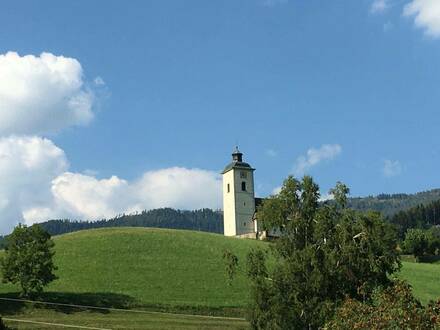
[27, 167]
[426, 15]
[315, 156]
[379, 6]
[82, 196]
[46, 93]
[86, 197]
[99, 81]
[391, 168]
[179, 188]
[35, 186]
[326, 197]
[276, 190]
[40, 94]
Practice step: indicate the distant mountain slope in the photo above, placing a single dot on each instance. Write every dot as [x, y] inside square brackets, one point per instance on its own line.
[389, 205]
[422, 216]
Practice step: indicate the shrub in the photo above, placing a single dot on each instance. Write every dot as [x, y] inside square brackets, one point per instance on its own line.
[391, 308]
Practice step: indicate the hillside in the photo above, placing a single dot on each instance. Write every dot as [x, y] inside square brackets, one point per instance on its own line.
[132, 267]
[422, 216]
[162, 269]
[200, 220]
[389, 205]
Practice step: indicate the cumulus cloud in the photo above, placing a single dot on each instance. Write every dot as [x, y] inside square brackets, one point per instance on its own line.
[47, 93]
[326, 197]
[40, 94]
[316, 156]
[36, 186]
[27, 167]
[426, 15]
[391, 168]
[379, 6]
[179, 188]
[86, 197]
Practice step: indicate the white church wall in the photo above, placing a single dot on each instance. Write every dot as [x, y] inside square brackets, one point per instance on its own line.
[244, 201]
[229, 204]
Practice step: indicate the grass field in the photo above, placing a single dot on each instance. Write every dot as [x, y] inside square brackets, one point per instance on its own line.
[150, 268]
[52, 319]
[161, 270]
[424, 278]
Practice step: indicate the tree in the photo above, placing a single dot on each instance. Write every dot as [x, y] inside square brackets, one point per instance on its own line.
[325, 253]
[28, 259]
[231, 264]
[416, 243]
[391, 308]
[433, 236]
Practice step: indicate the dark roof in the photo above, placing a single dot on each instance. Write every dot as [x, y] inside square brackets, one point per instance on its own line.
[258, 201]
[238, 165]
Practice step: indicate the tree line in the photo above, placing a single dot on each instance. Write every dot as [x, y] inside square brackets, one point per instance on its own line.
[390, 204]
[420, 217]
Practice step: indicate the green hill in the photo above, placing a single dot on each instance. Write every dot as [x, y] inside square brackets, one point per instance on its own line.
[144, 267]
[165, 269]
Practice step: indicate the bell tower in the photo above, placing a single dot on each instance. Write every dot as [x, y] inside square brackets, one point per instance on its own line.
[238, 196]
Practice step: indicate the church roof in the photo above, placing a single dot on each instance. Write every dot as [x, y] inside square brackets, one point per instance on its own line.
[237, 165]
[237, 162]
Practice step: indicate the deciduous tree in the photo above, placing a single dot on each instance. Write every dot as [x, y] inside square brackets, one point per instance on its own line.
[28, 259]
[325, 253]
[416, 243]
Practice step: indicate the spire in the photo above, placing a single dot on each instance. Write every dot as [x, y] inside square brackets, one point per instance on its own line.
[237, 155]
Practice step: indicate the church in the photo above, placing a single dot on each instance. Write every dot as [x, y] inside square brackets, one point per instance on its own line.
[239, 202]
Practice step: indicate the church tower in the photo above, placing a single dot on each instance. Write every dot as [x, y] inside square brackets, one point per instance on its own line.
[238, 196]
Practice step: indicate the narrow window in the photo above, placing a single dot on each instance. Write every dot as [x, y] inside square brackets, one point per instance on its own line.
[229, 188]
[243, 186]
[244, 224]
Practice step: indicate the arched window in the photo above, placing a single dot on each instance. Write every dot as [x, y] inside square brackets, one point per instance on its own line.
[243, 186]
[229, 188]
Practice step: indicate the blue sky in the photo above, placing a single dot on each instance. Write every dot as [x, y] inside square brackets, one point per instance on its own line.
[342, 90]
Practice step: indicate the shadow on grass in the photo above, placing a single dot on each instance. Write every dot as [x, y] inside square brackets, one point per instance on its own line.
[430, 259]
[89, 300]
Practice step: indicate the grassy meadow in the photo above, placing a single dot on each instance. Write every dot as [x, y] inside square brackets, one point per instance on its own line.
[157, 270]
[151, 268]
[50, 319]
[424, 278]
